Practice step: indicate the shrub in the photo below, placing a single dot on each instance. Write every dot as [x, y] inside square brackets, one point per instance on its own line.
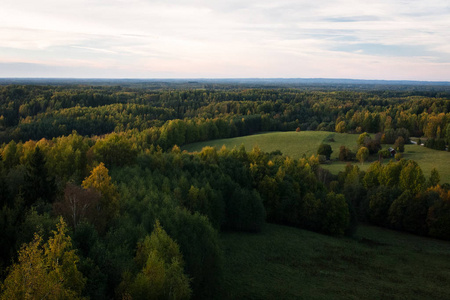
[325, 149]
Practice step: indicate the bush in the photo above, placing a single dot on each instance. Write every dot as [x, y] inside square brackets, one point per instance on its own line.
[345, 154]
[384, 153]
[325, 149]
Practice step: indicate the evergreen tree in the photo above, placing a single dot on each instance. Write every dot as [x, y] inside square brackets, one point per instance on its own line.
[39, 184]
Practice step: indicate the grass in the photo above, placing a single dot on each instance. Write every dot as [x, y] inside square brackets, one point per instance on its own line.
[305, 143]
[289, 263]
[426, 157]
[293, 144]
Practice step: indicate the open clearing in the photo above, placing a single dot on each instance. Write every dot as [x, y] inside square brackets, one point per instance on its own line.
[289, 263]
[305, 143]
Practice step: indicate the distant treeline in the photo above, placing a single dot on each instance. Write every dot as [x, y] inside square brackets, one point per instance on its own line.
[184, 116]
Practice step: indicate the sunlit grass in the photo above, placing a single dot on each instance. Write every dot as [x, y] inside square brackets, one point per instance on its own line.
[305, 144]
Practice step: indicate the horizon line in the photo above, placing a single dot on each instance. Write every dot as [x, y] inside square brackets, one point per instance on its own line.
[221, 78]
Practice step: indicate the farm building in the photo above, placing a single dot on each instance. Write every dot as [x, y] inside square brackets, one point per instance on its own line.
[392, 151]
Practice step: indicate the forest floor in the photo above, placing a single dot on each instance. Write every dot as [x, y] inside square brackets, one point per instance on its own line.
[306, 143]
[289, 263]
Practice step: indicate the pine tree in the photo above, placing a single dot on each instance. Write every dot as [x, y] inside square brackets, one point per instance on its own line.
[39, 184]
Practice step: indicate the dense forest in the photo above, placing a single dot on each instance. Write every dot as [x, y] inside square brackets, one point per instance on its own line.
[169, 117]
[97, 200]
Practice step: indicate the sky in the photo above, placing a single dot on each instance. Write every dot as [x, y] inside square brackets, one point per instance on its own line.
[358, 39]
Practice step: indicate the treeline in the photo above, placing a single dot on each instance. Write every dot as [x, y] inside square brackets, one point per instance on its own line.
[437, 144]
[398, 195]
[35, 112]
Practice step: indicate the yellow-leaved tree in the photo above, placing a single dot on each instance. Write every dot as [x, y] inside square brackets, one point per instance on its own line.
[108, 206]
[45, 271]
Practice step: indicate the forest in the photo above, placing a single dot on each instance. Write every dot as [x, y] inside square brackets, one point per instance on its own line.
[98, 201]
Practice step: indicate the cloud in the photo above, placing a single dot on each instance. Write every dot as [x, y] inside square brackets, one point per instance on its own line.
[228, 38]
[352, 19]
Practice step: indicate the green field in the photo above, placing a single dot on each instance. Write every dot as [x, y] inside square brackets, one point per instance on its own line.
[293, 144]
[305, 143]
[289, 263]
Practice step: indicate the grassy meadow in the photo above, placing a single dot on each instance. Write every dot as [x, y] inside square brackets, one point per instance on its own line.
[305, 143]
[289, 263]
[294, 144]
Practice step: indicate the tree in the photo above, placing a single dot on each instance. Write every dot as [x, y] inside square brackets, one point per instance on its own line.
[335, 214]
[245, 211]
[362, 154]
[78, 204]
[39, 185]
[108, 206]
[10, 155]
[370, 179]
[325, 149]
[162, 269]
[340, 127]
[400, 144]
[46, 271]
[434, 178]
[363, 138]
[380, 200]
[412, 178]
[438, 218]
[345, 154]
[199, 244]
[447, 133]
[397, 210]
[114, 150]
[4, 190]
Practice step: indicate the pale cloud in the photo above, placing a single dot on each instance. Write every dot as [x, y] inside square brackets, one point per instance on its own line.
[342, 38]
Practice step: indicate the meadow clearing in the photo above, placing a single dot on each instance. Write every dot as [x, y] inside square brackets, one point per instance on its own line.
[306, 143]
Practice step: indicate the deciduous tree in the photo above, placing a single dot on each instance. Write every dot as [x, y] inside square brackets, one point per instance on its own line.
[45, 271]
[362, 154]
[162, 270]
[100, 181]
[325, 149]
